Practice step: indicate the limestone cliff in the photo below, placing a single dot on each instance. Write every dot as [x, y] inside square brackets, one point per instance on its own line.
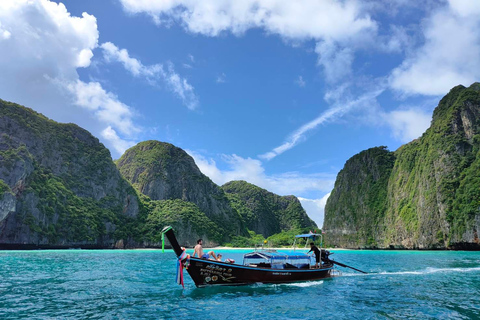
[356, 207]
[162, 171]
[432, 197]
[60, 187]
[265, 212]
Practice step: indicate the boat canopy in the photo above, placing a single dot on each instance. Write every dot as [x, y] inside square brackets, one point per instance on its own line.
[277, 260]
[308, 235]
[273, 255]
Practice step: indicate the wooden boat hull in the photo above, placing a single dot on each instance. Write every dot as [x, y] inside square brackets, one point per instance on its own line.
[215, 273]
[211, 273]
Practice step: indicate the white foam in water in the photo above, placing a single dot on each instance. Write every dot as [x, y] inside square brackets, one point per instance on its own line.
[304, 284]
[434, 270]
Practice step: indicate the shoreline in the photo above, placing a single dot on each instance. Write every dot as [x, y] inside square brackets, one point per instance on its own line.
[30, 247]
[274, 248]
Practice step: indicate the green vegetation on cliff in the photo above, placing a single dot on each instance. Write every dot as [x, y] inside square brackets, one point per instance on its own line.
[60, 188]
[67, 190]
[3, 188]
[359, 199]
[162, 171]
[431, 196]
[265, 212]
[180, 215]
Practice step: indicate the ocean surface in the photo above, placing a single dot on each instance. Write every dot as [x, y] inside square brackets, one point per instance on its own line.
[140, 284]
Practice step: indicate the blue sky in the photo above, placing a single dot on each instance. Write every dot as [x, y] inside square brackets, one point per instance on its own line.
[277, 93]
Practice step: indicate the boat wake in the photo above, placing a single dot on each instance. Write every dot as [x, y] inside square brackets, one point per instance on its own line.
[303, 284]
[436, 270]
[417, 272]
[429, 271]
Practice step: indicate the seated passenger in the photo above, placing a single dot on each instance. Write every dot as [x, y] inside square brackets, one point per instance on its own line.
[211, 255]
[198, 251]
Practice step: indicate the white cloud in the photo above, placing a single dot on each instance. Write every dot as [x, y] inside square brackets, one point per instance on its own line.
[315, 208]
[465, 8]
[450, 54]
[252, 171]
[4, 34]
[41, 47]
[313, 19]
[112, 53]
[408, 124]
[105, 105]
[339, 27]
[118, 143]
[336, 61]
[43, 40]
[153, 73]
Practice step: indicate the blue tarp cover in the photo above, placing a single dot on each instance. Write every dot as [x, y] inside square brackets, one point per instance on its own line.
[276, 255]
[307, 235]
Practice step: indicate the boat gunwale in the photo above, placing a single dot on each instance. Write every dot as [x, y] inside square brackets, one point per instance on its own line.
[227, 264]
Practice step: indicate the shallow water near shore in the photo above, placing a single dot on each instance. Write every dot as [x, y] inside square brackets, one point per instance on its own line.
[140, 284]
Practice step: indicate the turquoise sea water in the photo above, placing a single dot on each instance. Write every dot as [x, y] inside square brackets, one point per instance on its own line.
[140, 284]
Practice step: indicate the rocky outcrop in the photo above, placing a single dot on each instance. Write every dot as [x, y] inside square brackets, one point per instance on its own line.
[162, 171]
[265, 212]
[431, 199]
[59, 188]
[65, 191]
[358, 202]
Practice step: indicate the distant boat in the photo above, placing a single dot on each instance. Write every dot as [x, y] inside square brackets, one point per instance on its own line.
[260, 266]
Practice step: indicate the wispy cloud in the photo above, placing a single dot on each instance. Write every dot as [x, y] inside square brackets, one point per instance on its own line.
[253, 171]
[300, 82]
[336, 60]
[330, 114]
[222, 78]
[155, 74]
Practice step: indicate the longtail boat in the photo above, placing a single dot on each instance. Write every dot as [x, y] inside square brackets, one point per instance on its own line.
[260, 266]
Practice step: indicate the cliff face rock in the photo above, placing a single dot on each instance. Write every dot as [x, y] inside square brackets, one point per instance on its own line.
[433, 191]
[61, 186]
[186, 218]
[265, 212]
[358, 201]
[162, 171]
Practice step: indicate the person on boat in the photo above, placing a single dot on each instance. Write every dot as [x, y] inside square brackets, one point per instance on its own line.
[316, 251]
[198, 251]
[219, 257]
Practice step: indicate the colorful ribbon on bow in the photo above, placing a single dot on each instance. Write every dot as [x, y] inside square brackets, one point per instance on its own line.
[163, 242]
[182, 262]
